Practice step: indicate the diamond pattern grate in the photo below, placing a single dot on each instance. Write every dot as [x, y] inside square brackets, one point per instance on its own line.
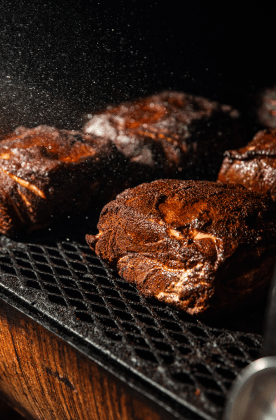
[67, 282]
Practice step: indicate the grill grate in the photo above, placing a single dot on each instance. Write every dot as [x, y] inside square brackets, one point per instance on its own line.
[68, 283]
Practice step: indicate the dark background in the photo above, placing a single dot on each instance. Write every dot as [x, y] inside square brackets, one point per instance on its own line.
[97, 52]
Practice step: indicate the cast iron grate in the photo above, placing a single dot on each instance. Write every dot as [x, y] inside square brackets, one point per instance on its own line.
[66, 281]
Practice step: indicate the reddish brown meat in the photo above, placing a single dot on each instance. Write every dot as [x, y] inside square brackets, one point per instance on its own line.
[170, 135]
[200, 246]
[253, 166]
[46, 173]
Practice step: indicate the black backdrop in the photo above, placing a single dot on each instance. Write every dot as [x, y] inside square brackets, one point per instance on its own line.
[96, 52]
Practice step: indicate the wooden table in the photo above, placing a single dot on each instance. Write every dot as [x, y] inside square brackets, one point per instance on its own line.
[43, 377]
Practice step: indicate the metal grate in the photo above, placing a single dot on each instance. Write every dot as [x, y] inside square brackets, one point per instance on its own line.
[193, 362]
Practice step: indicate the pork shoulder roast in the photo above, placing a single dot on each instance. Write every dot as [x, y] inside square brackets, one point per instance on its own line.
[170, 135]
[197, 245]
[46, 173]
[253, 166]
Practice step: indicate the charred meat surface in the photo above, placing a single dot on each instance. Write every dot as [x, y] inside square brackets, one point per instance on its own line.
[170, 135]
[253, 166]
[201, 246]
[46, 173]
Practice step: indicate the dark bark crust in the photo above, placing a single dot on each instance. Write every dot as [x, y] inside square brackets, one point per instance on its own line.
[200, 246]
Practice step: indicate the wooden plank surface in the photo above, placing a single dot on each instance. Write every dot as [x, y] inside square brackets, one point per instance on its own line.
[47, 379]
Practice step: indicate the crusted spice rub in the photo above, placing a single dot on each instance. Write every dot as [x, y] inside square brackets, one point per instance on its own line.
[46, 173]
[170, 135]
[200, 246]
[253, 166]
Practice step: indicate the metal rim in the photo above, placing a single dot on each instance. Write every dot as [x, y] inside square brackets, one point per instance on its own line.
[251, 372]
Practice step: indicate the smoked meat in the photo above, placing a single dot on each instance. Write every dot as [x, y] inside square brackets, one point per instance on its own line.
[46, 173]
[253, 166]
[170, 135]
[200, 246]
